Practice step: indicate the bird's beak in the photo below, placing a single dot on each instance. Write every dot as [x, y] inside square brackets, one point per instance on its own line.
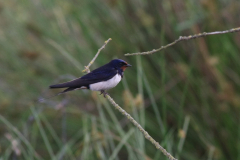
[128, 65]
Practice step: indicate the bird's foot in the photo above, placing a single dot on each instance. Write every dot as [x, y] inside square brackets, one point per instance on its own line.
[104, 93]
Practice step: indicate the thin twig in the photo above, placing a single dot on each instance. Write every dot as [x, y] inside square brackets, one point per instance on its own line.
[94, 58]
[184, 38]
[145, 133]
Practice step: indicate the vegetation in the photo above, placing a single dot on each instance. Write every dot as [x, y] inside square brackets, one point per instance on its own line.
[186, 96]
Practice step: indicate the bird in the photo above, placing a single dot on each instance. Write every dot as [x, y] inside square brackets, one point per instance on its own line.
[100, 79]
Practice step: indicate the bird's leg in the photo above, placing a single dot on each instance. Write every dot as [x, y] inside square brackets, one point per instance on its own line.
[104, 93]
[101, 92]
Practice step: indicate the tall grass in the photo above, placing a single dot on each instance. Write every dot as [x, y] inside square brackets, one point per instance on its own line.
[186, 97]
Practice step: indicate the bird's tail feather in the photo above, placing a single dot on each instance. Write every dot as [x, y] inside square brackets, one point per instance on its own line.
[76, 83]
[67, 90]
[62, 85]
[41, 100]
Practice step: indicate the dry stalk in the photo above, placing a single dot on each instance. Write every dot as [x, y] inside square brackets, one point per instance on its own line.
[184, 38]
[145, 133]
[95, 57]
[129, 117]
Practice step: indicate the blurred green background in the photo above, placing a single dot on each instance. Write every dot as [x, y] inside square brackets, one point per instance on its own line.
[186, 97]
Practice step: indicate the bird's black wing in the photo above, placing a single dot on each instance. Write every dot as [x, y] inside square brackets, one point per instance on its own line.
[103, 73]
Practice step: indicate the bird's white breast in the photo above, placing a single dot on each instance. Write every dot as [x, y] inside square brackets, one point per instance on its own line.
[104, 85]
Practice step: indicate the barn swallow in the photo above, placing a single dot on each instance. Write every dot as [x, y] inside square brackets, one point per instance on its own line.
[100, 79]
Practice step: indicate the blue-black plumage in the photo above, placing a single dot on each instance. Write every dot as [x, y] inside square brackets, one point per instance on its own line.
[100, 79]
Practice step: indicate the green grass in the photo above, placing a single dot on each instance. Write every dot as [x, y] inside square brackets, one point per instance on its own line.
[186, 97]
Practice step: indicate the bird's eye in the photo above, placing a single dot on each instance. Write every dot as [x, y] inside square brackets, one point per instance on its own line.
[123, 63]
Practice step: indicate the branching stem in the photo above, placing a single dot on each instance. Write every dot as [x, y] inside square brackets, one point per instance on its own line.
[184, 38]
[95, 57]
[129, 117]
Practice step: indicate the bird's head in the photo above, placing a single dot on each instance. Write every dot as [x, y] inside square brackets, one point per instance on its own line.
[120, 64]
